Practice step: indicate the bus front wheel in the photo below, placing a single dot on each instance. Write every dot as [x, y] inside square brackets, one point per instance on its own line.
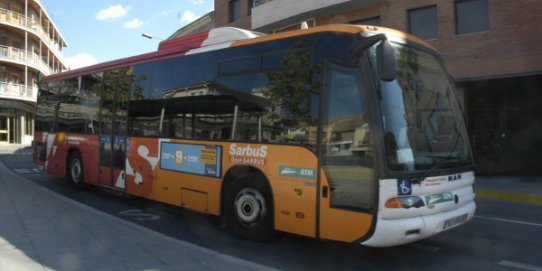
[248, 208]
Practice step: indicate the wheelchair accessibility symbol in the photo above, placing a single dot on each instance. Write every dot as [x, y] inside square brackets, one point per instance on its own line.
[404, 187]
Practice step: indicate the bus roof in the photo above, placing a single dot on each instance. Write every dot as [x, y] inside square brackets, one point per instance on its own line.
[225, 37]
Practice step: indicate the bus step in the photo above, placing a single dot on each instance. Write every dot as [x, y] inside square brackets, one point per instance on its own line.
[111, 189]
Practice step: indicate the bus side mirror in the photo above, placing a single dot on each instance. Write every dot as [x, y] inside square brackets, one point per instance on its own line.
[385, 55]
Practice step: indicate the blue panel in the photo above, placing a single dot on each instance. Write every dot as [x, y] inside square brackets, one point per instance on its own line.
[191, 158]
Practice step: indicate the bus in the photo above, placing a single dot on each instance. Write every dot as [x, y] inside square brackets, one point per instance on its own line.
[341, 132]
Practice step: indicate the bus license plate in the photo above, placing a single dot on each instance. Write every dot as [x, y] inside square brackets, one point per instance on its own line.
[455, 221]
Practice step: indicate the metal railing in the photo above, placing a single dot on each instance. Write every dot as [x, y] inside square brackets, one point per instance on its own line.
[18, 91]
[32, 26]
[24, 57]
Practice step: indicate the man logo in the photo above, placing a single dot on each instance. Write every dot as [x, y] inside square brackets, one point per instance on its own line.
[455, 177]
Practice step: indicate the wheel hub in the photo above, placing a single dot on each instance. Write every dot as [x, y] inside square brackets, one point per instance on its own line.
[76, 170]
[250, 207]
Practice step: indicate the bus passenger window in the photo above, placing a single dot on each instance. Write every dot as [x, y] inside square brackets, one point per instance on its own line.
[144, 117]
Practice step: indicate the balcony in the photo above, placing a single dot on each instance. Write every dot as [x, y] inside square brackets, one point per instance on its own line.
[18, 92]
[19, 20]
[25, 58]
[268, 15]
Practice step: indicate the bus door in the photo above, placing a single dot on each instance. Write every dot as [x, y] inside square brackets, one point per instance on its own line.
[113, 138]
[347, 181]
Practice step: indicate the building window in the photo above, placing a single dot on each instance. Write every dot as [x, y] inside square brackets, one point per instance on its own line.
[422, 22]
[29, 128]
[235, 10]
[369, 21]
[471, 16]
[250, 5]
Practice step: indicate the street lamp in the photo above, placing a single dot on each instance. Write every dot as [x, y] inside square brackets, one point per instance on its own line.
[150, 36]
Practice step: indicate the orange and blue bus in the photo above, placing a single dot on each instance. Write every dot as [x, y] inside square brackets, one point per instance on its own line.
[340, 132]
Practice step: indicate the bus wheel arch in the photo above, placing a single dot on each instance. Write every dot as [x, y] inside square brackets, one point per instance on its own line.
[247, 203]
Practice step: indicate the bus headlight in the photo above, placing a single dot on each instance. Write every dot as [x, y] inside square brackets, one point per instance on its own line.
[405, 202]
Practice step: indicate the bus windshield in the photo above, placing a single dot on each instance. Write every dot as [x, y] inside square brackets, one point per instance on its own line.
[421, 118]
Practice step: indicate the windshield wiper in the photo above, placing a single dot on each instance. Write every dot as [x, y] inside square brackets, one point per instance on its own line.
[442, 159]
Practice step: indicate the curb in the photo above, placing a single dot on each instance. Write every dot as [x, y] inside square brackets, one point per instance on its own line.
[508, 196]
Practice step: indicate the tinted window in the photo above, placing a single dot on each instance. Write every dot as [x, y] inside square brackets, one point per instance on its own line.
[202, 112]
[422, 22]
[45, 114]
[286, 100]
[70, 118]
[346, 148]
[90, 104]
[471, 16]
[144, 117]
[69, 86]
[239, 65]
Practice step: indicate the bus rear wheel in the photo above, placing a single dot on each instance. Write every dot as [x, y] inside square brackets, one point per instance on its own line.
[248, 208]
[75, 170]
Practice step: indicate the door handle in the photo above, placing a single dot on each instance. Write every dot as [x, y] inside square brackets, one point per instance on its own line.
[325, 191]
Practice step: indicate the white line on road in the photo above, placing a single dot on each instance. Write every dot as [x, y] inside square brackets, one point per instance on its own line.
[22, 170]
[27, 171]
[508, 220]
[521, 266]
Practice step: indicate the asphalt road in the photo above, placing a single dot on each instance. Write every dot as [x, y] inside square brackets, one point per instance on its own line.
[504, 235]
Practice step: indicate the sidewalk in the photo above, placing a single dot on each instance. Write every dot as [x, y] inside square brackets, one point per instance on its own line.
[14, 148]
[42, 230]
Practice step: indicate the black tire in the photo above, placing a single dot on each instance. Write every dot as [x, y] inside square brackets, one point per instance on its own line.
[76, 174]
[248, 208]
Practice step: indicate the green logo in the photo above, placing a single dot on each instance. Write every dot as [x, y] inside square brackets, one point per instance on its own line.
[298, 172]
[439, 198]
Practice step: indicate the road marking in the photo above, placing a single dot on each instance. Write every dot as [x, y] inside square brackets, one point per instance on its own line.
[521, 266]
[139, 215]
[27, 171]
[508, 220]
[22, 170]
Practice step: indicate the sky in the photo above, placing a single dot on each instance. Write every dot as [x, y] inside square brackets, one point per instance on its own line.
[104, 30]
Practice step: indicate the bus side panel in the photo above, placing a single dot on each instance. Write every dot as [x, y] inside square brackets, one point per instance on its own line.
[341, 225]
[291, 171]
[51, 152]
[146, 177]
[88, 146]
[141, 163]
[152, 172]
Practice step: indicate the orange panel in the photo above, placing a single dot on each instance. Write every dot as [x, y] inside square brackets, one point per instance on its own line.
[341, 225]
[195, 200]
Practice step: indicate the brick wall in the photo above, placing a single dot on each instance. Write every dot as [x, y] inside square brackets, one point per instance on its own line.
[222, 15]
[512, 45]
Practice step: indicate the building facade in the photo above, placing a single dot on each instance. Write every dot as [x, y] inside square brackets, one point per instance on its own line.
[491, 47]
[30, 47]
[203, 23]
